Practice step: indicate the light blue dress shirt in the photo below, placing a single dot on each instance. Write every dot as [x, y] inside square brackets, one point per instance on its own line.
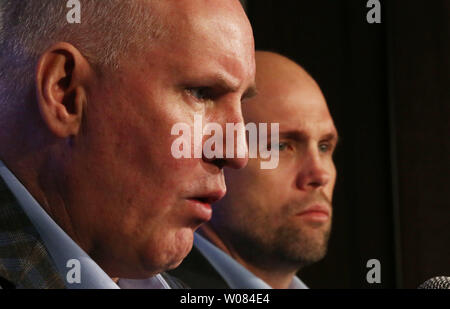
[234, 274]
[63, 249]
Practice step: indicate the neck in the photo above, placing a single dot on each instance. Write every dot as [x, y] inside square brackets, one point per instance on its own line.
[277, 278]
[46, 185]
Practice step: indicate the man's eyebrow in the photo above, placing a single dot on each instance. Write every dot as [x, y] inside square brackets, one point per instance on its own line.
[295, 135]
[227, 83]
[298, 135]
[333, 136]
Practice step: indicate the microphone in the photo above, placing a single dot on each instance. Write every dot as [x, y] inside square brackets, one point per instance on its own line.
[436, 283]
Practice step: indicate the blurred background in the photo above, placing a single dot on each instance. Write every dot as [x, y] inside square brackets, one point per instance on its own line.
[388, 89]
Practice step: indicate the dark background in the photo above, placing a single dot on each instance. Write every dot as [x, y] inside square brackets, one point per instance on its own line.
[387, 86]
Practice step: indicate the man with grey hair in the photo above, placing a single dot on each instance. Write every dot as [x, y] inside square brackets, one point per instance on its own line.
[89, 190]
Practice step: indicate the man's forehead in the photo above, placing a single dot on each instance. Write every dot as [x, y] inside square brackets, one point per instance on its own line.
[307, 130]
[288, 106]
[213, 46]
[207, 65]
[307, 114]
[204, 67]
[300, 124]
[197, 10]
[183, 16]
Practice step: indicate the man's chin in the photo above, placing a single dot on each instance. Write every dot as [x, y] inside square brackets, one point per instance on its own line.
[174, 265]
[152, 269]
[159, 259]
[303, 247]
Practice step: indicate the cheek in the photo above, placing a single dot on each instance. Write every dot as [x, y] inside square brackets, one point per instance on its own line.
[256, 186]
[151, 147]
[279, 182]
[330, 186]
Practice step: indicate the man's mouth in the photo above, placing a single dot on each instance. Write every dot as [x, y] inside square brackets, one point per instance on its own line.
[316, 212]
[202, 204]
[210, 197]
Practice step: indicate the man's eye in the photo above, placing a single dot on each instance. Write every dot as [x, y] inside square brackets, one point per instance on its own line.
[282, 146]
[200, 93]
[324, 147]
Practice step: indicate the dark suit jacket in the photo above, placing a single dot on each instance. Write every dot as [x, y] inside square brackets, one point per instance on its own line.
[25, 262]
[198, 273]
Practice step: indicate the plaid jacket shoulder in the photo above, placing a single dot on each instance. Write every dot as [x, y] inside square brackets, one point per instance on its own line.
[25, 263]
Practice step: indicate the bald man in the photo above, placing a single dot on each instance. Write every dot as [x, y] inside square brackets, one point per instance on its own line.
[89, 188]
[272, 223]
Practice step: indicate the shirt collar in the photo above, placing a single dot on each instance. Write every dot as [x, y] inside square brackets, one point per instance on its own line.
[62, 248]
[236, 275]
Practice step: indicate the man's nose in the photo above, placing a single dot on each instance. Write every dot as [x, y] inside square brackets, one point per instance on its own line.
[234, 142]
[313, 173]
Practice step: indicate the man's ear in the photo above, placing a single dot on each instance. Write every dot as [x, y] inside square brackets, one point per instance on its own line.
[60, 77]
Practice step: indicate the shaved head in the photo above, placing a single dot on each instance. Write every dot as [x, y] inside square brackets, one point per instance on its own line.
[275, 67]
[279, 79]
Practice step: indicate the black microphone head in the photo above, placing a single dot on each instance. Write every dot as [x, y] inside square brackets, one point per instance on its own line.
[436, 283]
